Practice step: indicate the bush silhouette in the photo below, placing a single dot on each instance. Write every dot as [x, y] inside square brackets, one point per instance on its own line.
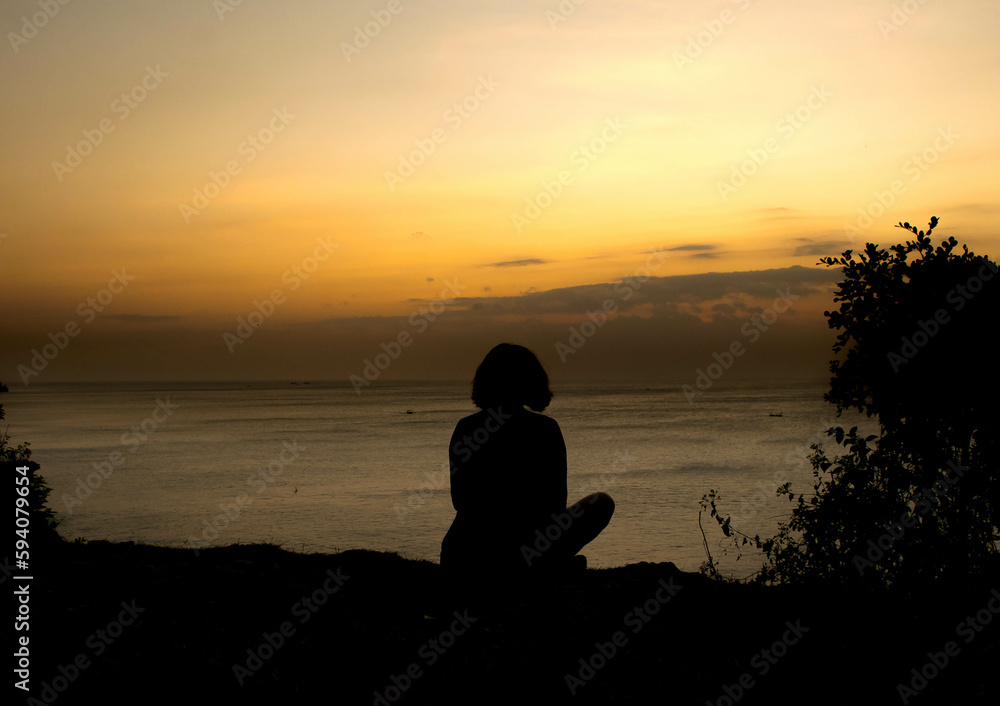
[920, 501]
[41, 518]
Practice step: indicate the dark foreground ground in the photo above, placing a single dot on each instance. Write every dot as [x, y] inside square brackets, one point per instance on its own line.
[125, 623]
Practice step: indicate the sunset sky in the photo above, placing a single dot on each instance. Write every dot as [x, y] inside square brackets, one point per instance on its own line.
[355, 160]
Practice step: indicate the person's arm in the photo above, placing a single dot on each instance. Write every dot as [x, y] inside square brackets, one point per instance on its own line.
[458, 458]
[557, 462]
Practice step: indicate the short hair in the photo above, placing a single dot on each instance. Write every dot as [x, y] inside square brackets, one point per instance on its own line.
[511, 374]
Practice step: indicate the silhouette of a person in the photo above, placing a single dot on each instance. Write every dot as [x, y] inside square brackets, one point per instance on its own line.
[508, 477]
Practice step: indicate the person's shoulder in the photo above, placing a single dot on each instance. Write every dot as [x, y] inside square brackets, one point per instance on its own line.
[542, 421]
[473, 420]
[501, 415]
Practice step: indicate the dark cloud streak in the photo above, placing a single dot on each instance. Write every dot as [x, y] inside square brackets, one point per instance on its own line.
[690, 246]
[519, 263]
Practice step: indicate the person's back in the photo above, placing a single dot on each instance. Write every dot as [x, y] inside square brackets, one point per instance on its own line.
[496, 454]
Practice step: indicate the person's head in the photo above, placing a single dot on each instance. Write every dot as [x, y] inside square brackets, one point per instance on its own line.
[511, 375]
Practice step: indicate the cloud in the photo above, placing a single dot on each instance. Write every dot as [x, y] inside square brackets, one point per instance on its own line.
[691, 246]
[664, 328]
[519, 263]
[823, 248]
[671, 297]
[663, 294]
[778, 213]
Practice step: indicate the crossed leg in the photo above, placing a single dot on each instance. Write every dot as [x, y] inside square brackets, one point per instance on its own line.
[586, 519]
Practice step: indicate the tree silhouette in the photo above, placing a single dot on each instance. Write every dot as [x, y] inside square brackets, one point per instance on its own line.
[920, 501]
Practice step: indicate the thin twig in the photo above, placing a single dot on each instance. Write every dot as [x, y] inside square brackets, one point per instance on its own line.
[708, 553]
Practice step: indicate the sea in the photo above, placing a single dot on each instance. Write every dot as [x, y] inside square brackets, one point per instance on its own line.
[316, 467]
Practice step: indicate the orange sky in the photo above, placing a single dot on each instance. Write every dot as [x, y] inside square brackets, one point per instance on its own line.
[737, 135]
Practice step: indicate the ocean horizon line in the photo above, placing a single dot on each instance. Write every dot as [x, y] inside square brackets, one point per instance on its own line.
[342, 382]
